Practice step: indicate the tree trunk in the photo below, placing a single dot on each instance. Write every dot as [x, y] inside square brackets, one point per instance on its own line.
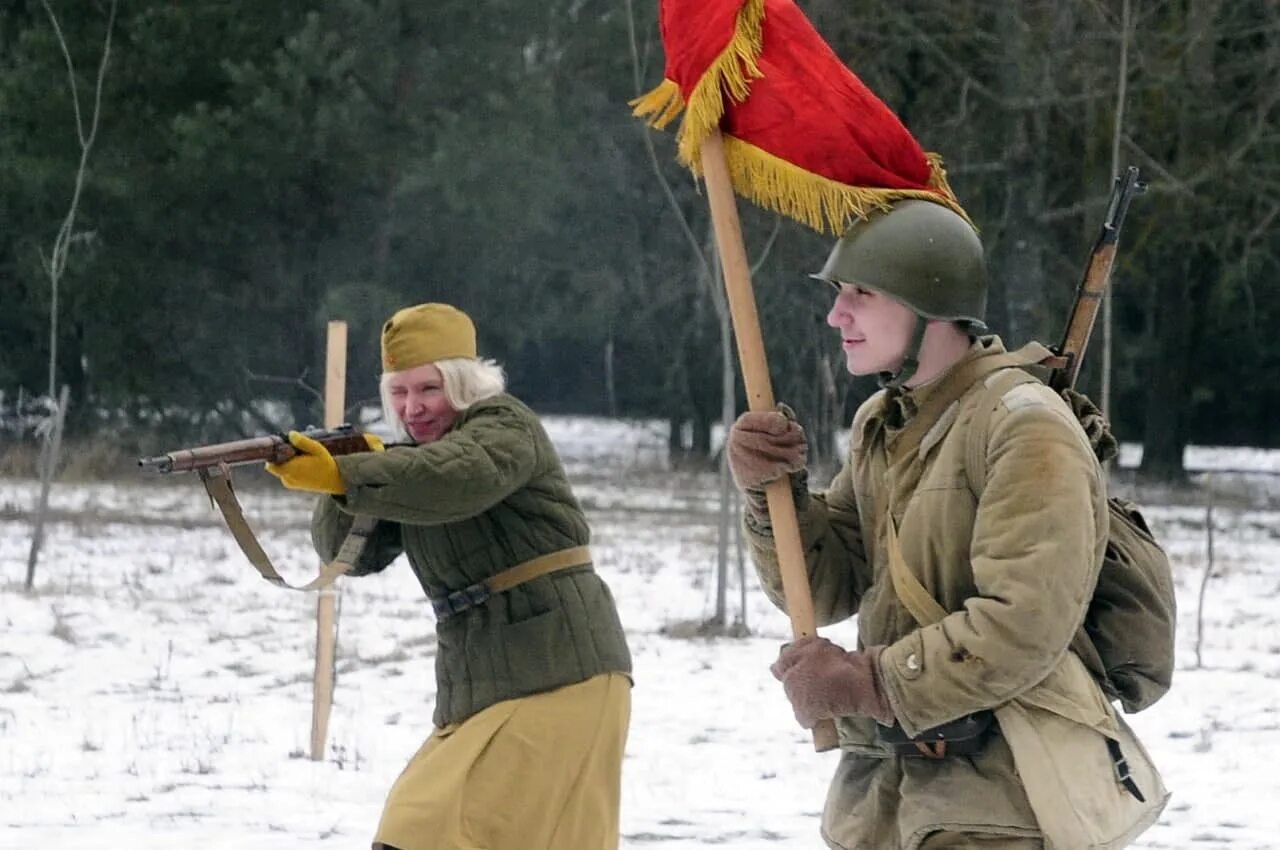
[1182, 294]
[50, 453]
[676, 451]
[1181, 298]
[1019, 286]
[610, 390]
[1164, 435]
[701, 450]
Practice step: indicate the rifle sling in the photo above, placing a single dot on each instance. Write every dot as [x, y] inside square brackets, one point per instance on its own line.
[217, 482]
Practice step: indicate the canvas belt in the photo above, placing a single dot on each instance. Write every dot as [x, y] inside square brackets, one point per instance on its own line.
[217, 483]
[480, 592]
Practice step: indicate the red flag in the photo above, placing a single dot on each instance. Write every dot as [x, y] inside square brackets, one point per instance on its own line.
[803, 135]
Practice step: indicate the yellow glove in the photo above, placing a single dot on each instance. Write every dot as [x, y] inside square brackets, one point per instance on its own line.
[314, 469]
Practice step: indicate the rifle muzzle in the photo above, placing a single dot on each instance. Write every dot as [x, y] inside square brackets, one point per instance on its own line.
[159, 463]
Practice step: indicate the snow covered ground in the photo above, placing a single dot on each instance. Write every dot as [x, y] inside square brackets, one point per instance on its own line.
[155, 693]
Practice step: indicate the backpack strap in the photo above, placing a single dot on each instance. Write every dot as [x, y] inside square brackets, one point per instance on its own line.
[990, 395]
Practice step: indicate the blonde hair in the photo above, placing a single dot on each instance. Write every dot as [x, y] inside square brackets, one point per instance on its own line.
[467, 380]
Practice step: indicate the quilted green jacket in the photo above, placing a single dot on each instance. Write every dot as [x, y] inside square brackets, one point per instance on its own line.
[488, 495]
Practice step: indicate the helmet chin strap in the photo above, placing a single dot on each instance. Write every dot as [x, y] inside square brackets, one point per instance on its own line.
[893, 381]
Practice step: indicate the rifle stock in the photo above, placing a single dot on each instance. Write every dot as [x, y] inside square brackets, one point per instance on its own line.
[272, 448]
[1093, 286]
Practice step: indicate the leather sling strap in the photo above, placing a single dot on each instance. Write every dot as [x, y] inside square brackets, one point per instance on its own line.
[217, 482]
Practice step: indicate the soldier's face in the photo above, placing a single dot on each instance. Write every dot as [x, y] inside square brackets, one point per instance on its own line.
[417, 397]
[874, 329]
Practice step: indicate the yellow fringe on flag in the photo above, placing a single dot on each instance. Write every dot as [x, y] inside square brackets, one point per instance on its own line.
[660, 106]
[826, 205]
[729, 75]
[938, 180]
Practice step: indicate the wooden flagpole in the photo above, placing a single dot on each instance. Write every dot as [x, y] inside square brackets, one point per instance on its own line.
[335, 402]
[755, 374]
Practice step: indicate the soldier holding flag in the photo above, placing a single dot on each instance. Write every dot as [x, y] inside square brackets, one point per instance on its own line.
[965, 716]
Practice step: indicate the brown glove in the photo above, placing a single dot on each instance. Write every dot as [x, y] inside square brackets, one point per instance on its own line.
[822, 681]
[764, 446]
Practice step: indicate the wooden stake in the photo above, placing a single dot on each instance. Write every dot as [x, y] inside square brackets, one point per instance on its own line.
[335, 402]
[50, 452]
[755, 374]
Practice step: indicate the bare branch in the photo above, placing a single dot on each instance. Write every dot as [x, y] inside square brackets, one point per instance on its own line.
[1167, 178]
[681, 220]
[1122, 75]
[71, 69]
[768, 245]
[1072, 210]
[300, 381]
[1214, 169]
[971, 168]
[56, 263]
[971, 83]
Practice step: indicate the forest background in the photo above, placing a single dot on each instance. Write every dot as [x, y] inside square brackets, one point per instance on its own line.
[253, 170]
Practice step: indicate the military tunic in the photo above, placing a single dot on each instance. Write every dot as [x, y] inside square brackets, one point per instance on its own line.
[1015, 572]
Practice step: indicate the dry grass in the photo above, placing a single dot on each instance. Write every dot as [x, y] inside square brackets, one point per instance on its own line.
[89, 459]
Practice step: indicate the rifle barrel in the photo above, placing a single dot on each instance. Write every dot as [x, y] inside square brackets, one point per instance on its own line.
[273, 448]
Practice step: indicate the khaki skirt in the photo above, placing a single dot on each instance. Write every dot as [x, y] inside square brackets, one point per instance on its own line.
[542, 771]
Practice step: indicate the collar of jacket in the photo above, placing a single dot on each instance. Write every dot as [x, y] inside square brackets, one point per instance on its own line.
[898, 408]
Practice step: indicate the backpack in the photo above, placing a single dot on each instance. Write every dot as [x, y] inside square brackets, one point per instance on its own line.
[1127, 640]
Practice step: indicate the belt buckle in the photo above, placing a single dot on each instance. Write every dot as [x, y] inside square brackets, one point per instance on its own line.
[461, 600]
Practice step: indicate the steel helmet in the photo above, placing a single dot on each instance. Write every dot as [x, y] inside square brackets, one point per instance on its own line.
[919, 253]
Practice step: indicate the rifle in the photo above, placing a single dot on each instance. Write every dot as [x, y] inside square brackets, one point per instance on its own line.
[213, 465]
[1093, 286]
[273, 448]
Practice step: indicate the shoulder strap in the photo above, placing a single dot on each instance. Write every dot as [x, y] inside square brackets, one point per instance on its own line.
[957, 384]
[975, 455]
[914, 597]
[911, 593]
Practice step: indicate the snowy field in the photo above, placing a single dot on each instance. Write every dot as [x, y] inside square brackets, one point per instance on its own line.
[155, 693]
